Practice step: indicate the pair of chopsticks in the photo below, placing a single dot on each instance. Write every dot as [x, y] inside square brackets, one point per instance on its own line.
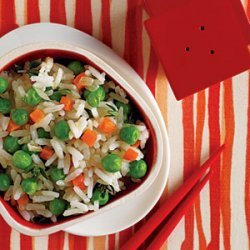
[177, 205]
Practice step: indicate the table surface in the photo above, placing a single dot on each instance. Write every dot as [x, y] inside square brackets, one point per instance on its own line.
[220, 218]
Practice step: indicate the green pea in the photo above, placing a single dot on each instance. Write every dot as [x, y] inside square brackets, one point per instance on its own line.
[3, 85]
[4, 182]
[32, 98]
[5, 106]
[101, 196]
[20, 116]
[29, 186]
[93, 100]
[138, 169]
[61, 130]
[43, 134]
[56, 96]
[10, 144]
[21, 160]
[57, 174]
[100, 92]
[57, 206]
[112, 163]
[86, 92]
[76, 67]
[126, 107]
[130, 134]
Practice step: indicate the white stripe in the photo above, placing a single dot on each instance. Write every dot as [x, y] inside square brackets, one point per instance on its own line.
[118, 10]
[41, 243]
[145, 45]
[175, 130]
[205, 197]
[44, 6]
[196, 236]
[106, 242]
[66, 242]
[96, 8]
[70, 8]
[14, 240]
[239, 236]
[177, 236]
[90, 243]
[20, 12]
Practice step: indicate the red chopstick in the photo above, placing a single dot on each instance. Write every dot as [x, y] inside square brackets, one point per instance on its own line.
[182, 197]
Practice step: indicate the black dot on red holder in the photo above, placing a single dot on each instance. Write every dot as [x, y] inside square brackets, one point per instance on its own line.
[187, 49]
[202, 28]
[212, 52]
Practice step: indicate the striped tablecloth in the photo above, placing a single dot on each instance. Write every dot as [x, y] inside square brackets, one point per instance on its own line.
[196, 126]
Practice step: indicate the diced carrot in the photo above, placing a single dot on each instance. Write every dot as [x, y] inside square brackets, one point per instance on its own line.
[137, 144]
[89, 137]
[23, 200]
[46, 153]
[37, 115]
[12, 126]
[130, 155]
[107, 126]
[78, 81]
[78, 181]
[68, 103]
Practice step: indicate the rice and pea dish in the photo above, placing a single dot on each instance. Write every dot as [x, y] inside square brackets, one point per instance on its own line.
[70, 139]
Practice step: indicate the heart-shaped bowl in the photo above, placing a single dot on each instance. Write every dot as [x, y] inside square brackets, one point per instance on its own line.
[154, 147]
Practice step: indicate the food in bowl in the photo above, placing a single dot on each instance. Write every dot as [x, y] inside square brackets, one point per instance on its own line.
[71, 139]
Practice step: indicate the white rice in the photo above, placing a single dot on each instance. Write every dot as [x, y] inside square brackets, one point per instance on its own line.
[103, 176]
[56, 108]
[34, 206]
[72, 211]
[81, 194]
[77, 204]
[42, 198]
[96, 74]
[4, 122]
[50, 193]
[3, 134]
[20, 133]
[73, 175]
[45, 213]
[57, 147]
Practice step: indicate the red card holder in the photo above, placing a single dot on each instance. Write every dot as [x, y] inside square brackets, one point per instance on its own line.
[199, 43]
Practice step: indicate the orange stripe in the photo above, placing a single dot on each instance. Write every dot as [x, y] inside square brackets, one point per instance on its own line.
[111, 242]
[125, 235]
[214, 141]
[83, 16]
[200, 120]
[226, 162]
[99, 242]
[247, 181]
[133, 35]
[33, 14]
[57, 11]
[5, 231]
[105, 23]
[7, 17]
[77, 242]
[152, 71]
[56, 241]
[188, 131]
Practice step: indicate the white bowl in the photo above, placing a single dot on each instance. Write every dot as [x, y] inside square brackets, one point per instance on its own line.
[12, 217]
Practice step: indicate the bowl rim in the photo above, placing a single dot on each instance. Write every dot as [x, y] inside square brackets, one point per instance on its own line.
[65, 47]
